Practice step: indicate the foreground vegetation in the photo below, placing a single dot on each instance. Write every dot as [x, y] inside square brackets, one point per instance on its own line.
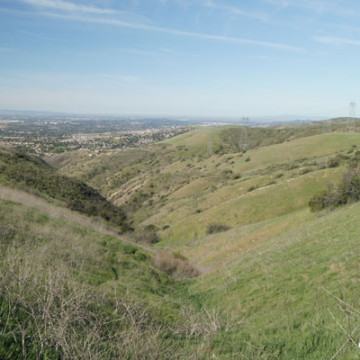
[72, 293]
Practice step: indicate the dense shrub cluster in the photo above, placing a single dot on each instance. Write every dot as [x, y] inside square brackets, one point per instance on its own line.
[31, 173]
[336, 195]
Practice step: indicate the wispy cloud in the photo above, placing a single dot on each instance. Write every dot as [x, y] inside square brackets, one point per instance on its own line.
[68, 6]
[317, 6]
[332, 40]
[67, 10]
[233, 10]
[168, 31]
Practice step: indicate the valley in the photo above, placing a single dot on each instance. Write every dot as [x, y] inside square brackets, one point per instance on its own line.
[192, 246]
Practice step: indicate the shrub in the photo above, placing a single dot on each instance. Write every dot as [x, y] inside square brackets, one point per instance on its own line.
[151, 227]
[147, 235]
[179, 255]
[347, 191]
[216, 228]
[252, 188]
[292, 166]
[332, 163]
[140, 256]
[271, 182]
[318, 201]
[130, 249]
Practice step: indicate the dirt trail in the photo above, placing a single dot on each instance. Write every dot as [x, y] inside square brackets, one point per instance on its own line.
[57, 212]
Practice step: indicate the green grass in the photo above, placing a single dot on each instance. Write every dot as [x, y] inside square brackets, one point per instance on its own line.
[46, 261]
[246, 207]
[275, 300]
[313, 146]
[93, 255]
[284, 292]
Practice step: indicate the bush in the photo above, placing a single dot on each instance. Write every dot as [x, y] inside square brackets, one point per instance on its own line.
[271, 182]
[147, 237]
[347, 191]
[318, 201]
[333, 163]
[179, 255]
[292, 166]
[216, 228]
[252, 188]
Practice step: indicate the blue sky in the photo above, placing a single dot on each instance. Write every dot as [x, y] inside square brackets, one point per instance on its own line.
[180, 57]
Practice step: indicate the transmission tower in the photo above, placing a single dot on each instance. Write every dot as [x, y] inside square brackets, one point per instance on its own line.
[352, 109]
[352, 114]
[243, 141]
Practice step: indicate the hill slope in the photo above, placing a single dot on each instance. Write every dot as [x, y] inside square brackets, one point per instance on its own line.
[30, 173]
[296, 295]
[68, 291]
[180, 192]
[278, 281]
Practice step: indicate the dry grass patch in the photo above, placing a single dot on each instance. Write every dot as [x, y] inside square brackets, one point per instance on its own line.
[176, 266]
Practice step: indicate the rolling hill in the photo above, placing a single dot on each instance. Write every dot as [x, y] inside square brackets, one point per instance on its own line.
[275, 280]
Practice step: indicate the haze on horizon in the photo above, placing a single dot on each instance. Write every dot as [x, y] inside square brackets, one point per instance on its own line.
[180, 57]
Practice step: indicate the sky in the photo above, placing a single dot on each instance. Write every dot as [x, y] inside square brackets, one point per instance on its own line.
[181, 57]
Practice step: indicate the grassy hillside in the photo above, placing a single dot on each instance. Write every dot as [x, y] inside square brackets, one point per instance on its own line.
[180, 191]
[181, 196]
[30, 173]
[277, 281]
[296, 295]
[70, 292]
